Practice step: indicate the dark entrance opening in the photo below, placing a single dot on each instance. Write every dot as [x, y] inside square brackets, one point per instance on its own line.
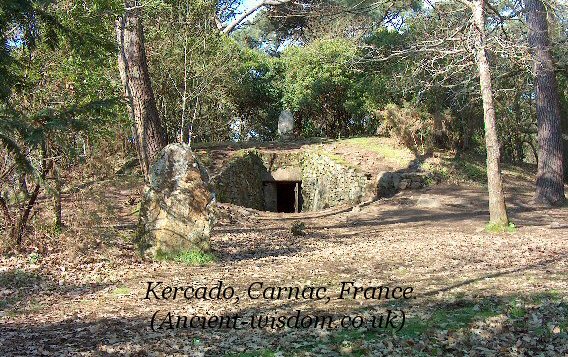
[288, 196]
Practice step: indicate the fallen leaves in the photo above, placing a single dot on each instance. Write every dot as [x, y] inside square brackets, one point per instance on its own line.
[477, 294]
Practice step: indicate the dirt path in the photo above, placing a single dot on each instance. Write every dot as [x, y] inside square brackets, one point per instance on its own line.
[503, 288]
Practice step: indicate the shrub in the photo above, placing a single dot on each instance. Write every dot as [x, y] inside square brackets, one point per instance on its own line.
[415, 128]
[409, 125]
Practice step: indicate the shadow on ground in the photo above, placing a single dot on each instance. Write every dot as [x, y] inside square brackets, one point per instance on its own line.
[483, 325]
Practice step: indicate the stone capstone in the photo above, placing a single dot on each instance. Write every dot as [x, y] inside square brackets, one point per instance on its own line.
[176, 214]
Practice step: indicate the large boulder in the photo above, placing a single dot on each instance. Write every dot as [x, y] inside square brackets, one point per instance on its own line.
[176, 214]
[387, 183]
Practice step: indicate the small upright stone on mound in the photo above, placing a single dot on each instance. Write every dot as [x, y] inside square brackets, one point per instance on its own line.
[175, 215]
[286, 125]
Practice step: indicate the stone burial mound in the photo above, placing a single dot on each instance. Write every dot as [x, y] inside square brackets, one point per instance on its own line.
[176, 214]
[289, 181]
[303, 180]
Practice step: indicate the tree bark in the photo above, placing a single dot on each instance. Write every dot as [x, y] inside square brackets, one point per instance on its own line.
[550, 175]
[132, 63]
[565, 145]
[497, 208]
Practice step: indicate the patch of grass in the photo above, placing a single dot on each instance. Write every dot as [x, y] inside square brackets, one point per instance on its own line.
[552, 295]
[516, 309]
[382, 148]
[455, 316]
[500, 228]
[454, 319]
[467, 167]
[414, 328]
[192, 257]
[350, 335]
[121, 291]
[336, 158]
[437, 171]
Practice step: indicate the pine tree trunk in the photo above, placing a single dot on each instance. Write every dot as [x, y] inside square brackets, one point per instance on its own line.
[497, 208]
[133, 67]
[565, 145]
[550, 175]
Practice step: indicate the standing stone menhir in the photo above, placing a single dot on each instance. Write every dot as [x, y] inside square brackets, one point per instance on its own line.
[176, 215]
[286, 124]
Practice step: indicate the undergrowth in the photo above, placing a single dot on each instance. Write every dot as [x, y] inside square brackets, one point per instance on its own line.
[500, 228]
[192, 257]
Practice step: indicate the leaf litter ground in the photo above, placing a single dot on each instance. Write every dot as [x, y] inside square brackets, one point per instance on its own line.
[477, 294]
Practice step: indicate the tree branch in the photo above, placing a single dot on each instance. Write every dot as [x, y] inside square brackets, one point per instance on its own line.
[231, 26]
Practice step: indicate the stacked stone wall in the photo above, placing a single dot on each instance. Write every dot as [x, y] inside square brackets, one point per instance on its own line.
[327, 181]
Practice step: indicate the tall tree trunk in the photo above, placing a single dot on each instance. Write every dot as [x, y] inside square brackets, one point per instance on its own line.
[565, 144]
[149, 134]
[550, 175]
[497, 208]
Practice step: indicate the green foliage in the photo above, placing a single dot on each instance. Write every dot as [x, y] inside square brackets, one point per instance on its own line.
[34, 258]
[60, 94]
[193, 257]
[205, 82]
[458, 169]
[324, 87]
[471, 170]
[121, 291]
[255, 95]
[516, 309]
[499, 228]
[412, 127]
